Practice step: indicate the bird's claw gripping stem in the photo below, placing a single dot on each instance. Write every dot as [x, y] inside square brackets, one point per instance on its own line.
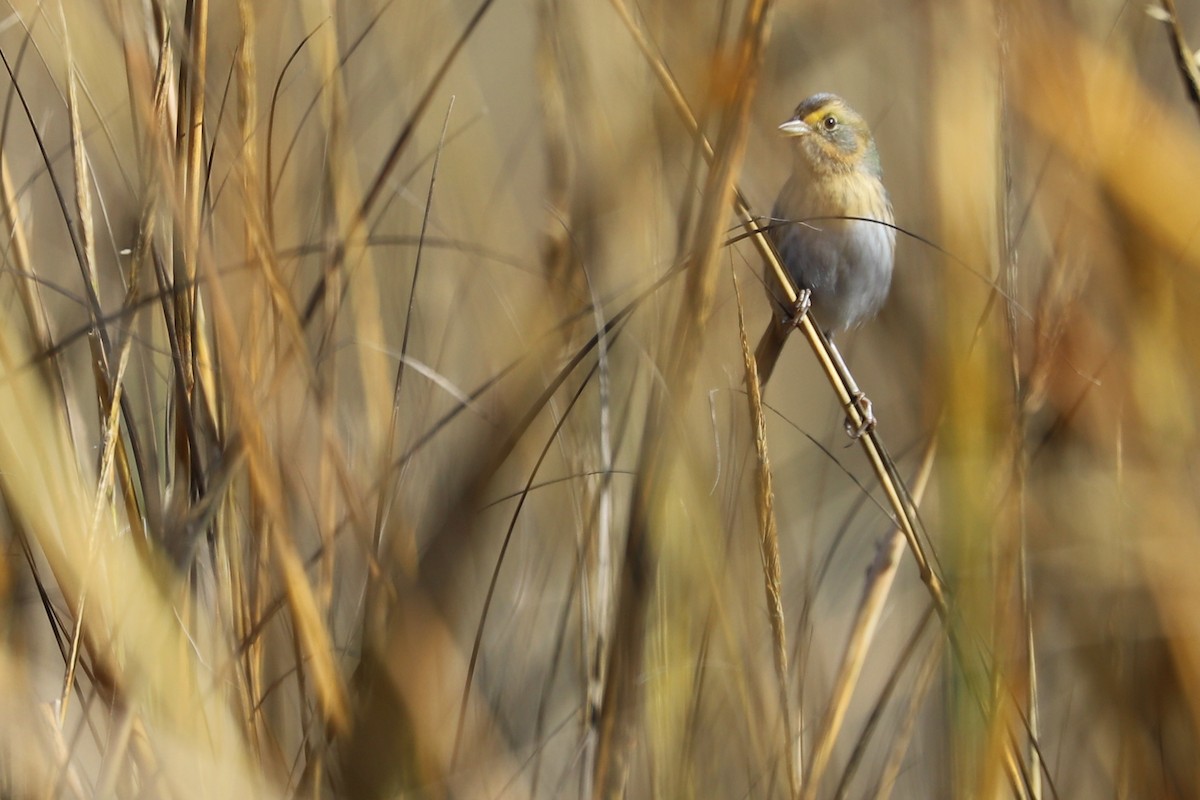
[800, 310]
[863, 404]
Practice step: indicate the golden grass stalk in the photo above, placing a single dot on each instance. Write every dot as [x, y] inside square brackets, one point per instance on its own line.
[768, 538]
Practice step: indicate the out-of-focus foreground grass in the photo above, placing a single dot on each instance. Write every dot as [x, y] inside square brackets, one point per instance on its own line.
[375, 425]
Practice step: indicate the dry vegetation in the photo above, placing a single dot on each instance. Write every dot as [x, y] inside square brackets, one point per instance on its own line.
[376, 424]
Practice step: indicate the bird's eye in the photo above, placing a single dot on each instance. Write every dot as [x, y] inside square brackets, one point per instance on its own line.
[830, 122]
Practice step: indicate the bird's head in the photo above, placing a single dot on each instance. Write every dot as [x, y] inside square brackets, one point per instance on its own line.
[831, 136]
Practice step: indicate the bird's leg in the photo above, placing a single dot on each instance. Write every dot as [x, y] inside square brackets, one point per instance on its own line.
[858, 400]
[863, 404]
[800, 310]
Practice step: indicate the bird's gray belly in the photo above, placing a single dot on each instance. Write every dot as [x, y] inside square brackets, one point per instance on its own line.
[845, 264]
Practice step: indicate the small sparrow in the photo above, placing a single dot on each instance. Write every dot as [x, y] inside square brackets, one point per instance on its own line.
[831, 225]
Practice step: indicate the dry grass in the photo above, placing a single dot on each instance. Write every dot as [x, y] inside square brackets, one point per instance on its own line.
[376, 424]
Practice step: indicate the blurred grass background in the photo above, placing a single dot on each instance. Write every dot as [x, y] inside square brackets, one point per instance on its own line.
[375, 421]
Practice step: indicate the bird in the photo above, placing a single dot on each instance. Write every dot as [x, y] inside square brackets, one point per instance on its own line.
[832, 225]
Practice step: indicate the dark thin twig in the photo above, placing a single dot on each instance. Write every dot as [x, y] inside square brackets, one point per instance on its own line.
[1184, 57]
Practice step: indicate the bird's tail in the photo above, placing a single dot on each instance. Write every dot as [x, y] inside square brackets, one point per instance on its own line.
[769, 347]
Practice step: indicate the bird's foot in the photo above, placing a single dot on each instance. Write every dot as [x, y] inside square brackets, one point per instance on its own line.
[800, 310]
[861, 402]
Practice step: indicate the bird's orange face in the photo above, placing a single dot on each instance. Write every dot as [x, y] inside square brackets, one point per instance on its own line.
[832, 137]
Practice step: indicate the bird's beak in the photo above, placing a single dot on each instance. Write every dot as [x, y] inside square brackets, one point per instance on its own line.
[795, 127]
